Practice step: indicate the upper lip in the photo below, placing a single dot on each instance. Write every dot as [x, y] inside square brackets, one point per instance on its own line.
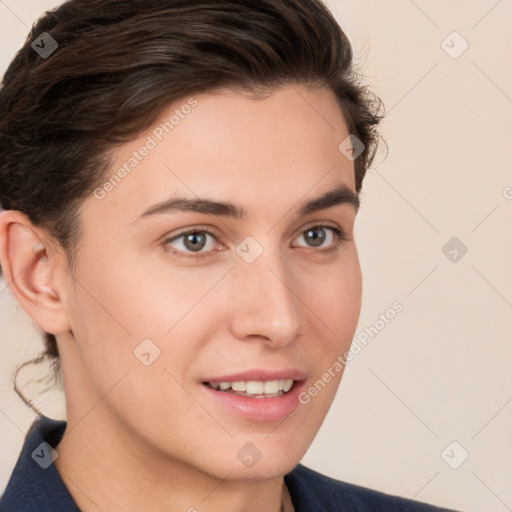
[260, 375]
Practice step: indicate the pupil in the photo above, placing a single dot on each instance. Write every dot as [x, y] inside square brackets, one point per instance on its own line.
[195, 241]
[317, 236]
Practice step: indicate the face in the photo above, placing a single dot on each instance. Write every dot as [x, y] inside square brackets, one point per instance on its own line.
[210, 279]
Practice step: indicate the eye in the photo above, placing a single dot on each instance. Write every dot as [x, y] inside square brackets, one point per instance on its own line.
[323, 236]
[197, 242]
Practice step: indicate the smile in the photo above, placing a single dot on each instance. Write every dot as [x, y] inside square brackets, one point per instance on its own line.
[257, 394]
[254, 388]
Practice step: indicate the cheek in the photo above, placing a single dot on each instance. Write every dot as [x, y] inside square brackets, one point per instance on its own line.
[336, 303]
[126, 302]
[137, 297]
[111, 318]
[335, 296]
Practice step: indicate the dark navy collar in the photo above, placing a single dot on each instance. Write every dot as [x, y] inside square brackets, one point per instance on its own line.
[35, 485]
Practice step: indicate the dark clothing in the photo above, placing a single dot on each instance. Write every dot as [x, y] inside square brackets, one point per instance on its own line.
[35, 485]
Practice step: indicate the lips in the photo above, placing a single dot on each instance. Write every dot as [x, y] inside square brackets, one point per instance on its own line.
[261, 395]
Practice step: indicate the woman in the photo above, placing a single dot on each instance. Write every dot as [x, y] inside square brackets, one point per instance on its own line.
[180, 182]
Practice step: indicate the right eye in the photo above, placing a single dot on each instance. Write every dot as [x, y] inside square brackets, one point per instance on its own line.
[192, 243]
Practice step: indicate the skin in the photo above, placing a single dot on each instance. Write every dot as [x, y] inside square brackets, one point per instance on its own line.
[154, 440]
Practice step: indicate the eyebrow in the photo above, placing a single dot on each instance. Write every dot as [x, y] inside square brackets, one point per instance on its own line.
[339, 195]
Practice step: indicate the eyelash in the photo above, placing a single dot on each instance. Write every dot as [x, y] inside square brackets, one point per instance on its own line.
[339, 238]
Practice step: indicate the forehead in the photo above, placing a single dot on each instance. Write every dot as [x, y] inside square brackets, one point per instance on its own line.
[259, 151]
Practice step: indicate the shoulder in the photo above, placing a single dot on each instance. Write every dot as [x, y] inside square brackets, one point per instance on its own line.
[310, 490]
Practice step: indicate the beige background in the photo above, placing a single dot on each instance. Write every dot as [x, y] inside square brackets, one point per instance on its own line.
[440, 370]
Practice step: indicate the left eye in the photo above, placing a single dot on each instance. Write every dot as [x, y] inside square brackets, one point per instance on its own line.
[317, 235]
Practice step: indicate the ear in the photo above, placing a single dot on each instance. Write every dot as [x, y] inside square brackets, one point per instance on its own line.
[33, 270]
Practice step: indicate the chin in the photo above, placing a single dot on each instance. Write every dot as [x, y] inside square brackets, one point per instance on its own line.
[255, 460]
[263, 470]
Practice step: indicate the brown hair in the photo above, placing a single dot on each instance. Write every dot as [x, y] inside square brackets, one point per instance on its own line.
[120, 62]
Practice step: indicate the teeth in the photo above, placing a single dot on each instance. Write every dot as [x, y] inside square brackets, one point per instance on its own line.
[256, 387]
[271, 386]
[287, 385]
[238, 386]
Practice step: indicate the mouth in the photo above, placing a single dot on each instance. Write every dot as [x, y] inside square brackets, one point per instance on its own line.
[257, 395]
[254, 388]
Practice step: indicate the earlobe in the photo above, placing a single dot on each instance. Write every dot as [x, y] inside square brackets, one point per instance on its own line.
[30, 270]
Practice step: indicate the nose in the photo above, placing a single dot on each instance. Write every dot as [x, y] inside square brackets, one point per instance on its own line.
[264, 305]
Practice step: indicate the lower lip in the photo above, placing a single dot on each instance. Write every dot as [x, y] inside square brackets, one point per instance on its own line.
[260, 409]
